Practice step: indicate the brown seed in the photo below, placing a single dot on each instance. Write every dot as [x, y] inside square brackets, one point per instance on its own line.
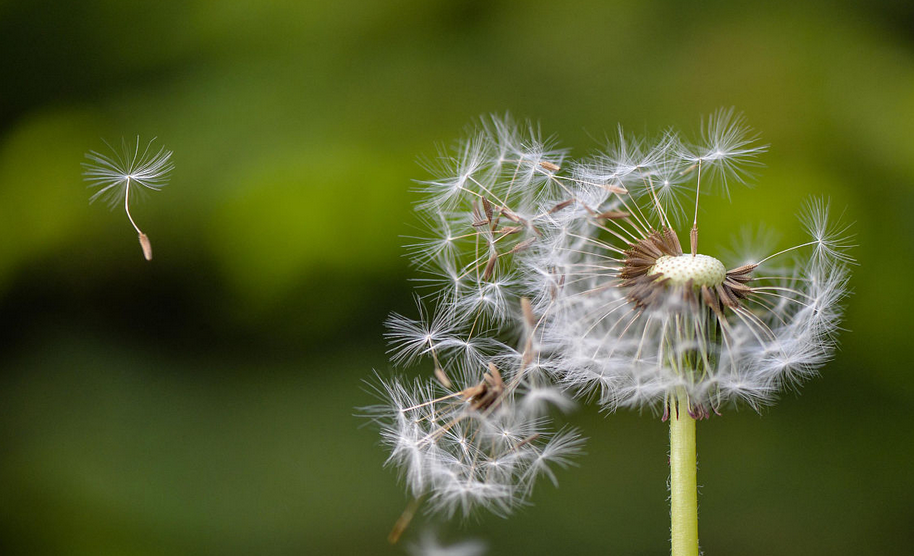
[523, 245]
[740, 278]
[487, 208]
[638, 261]
[527, 311]
[442, 378]
[726, 296]
[479, 219]
[493, 377]
[737, 286]
[689, 169]
[527, 440]
[528, 354]
[560, 206]
[473, 391]
[742, 270]
[646, 249]
[672, 239]
[614, 189]
[509, 214]
[711, 301]
[147, 247]
[490, 266]
[613, 215]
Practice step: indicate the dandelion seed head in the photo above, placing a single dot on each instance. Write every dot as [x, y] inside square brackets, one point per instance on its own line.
[552, 279]
[699, 270]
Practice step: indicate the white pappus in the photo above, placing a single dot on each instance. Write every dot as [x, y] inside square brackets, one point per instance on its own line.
[552, 278]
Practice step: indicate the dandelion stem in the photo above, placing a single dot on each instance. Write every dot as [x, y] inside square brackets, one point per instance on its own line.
[683, 485]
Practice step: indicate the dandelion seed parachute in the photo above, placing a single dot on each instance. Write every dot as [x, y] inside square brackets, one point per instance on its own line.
[126, 166]
[129, 169]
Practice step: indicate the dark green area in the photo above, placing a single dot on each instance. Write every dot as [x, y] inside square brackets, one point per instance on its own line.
[204, 403]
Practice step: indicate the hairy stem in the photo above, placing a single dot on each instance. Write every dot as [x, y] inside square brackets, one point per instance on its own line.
[683, 484]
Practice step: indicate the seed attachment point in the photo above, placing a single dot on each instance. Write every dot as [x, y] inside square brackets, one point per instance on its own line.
[146, 245]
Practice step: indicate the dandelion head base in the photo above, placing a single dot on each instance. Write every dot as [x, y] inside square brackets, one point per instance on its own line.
[700, 270]
[656, 265]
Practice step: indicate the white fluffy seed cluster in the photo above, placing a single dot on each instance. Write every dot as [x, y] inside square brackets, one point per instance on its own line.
[527, 297]
[462, 457]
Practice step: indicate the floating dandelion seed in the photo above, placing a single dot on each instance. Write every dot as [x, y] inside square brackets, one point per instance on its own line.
[128, 170]
[618, 311]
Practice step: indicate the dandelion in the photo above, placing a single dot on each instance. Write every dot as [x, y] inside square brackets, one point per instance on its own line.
[640, 322]
[128, 170]
[618, 312]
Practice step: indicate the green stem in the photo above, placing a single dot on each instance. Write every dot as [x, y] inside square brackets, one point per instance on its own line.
[683, 481]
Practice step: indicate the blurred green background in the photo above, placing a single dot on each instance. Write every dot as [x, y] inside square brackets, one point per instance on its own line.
[204, 403]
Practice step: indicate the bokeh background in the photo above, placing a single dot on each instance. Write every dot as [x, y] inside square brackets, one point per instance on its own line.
[204, 403]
